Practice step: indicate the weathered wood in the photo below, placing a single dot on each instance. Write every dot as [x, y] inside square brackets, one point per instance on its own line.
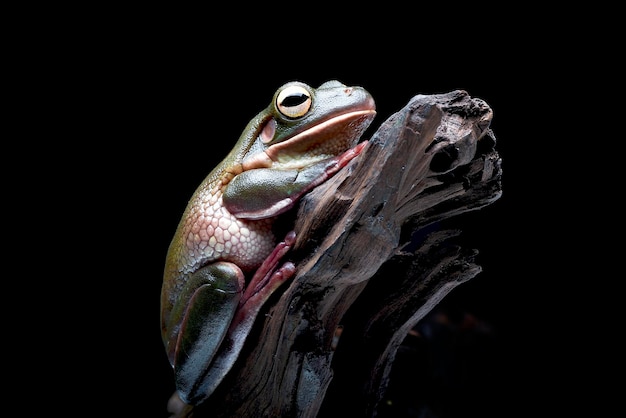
[368, 263]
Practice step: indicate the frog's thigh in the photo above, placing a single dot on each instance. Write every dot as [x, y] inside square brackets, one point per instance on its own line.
[216, 291]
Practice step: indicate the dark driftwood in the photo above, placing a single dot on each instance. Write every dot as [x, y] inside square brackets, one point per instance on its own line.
[367, 265]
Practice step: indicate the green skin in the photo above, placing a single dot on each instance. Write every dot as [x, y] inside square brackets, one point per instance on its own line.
[223, 262]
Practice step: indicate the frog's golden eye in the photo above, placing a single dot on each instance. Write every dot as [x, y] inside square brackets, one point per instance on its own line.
[293, 102]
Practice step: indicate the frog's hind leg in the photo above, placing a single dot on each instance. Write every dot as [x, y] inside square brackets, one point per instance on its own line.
[265, 281]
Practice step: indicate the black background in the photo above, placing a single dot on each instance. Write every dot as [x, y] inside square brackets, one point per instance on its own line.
[142, 110]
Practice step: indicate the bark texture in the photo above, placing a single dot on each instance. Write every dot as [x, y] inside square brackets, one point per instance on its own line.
[370, 265]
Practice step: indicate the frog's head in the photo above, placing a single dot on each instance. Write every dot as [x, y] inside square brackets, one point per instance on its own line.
[303, 125]
[303, 137]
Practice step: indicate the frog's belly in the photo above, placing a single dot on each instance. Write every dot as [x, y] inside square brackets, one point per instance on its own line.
[215, 234]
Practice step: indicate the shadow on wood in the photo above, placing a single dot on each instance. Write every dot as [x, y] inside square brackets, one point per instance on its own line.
[369, 266]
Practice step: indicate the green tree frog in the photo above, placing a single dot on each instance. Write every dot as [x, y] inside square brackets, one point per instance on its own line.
[224, 260]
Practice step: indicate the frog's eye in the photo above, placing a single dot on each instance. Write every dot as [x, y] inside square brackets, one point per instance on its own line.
[294, 101]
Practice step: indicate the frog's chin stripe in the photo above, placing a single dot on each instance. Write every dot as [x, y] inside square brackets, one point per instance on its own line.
[270, 158]
[342, 122]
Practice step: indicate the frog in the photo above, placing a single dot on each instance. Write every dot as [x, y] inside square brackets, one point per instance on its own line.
[225, 260]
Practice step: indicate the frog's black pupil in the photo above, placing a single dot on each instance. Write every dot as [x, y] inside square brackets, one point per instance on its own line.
[295, 100]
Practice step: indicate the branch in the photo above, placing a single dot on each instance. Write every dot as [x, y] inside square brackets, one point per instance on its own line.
[370, 264]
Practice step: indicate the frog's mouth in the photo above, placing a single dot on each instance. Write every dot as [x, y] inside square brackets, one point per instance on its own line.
[322, 141]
